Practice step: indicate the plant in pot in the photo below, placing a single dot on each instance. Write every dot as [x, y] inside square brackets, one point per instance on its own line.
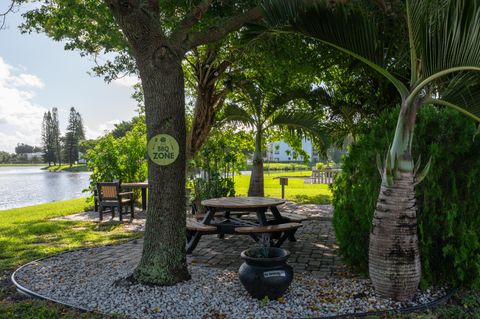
[265, 272]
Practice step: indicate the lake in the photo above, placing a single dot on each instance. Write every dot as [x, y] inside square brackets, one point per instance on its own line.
[30, 185]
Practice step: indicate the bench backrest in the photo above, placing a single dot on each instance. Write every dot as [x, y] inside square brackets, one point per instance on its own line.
[108, 190]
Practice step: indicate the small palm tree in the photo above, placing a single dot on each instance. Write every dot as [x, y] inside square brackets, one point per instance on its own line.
[444, 42]
[262, 110]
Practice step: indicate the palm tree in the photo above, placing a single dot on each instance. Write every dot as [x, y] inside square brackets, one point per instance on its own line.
[444, 54]
[262, 110]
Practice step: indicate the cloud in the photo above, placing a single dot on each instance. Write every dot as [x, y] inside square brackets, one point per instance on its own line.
[127, 81]
[101, 130]
[20, 117]
[28, 80]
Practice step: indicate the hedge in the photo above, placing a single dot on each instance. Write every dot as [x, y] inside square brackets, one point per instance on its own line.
[448, 199]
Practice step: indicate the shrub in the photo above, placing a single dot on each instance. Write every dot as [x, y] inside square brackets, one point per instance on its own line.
[448, 199]
[119, 158]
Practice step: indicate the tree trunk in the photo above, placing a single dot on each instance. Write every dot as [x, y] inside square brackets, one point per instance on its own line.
[256, 187]
[164, 260]
[203, 119]
[394, 259]
[209, 100]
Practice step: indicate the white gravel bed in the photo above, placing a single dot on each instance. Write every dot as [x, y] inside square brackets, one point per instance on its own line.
[81, 279]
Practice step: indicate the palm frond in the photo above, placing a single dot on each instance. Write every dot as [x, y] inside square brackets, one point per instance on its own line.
[234, 113]
[461, 92]
[301, 124]
[347, 27]
[446, 34]
[318, 95]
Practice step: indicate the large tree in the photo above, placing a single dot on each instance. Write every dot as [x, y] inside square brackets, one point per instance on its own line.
[48, 140]
[55, 131]
[275, 90]
[444, 51]
[74, 134]
[157, 34]
[262, 109]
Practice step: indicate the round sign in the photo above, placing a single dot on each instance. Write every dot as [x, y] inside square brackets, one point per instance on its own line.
[163, 149]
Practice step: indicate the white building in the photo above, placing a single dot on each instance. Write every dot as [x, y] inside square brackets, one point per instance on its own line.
[31, 156]
[282, 152]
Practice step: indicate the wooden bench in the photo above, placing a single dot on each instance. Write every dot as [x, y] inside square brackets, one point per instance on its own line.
[293, 217]
[220, 214]
[267, 229]
[195, 226]
[288, 230]
[195, 230]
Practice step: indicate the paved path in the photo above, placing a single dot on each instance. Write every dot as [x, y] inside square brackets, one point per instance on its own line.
[315, 250]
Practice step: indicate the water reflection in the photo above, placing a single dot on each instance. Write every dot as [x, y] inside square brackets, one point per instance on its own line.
[29, 185]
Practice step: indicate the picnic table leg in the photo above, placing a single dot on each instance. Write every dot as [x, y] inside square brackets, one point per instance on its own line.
[278, 216]
[261, 217]
[144, 198]
[192, 244]
[197, 235]
[227, 215]
[284, 236]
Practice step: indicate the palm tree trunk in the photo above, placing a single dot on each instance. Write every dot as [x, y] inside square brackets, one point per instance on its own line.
[256, 179]
[394, 259]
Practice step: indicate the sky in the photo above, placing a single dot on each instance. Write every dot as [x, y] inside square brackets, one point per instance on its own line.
[37, 74]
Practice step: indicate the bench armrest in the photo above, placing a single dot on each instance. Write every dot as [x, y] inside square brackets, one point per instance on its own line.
[125, 194]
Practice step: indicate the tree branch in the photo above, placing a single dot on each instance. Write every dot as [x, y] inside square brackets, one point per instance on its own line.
[217, 32]
[189, 20]
[3, 15]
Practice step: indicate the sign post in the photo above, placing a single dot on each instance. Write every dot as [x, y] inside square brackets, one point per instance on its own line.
[283, 182]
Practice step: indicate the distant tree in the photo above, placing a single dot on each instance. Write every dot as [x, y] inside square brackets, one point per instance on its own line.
[37, 149]
[5, 157]
[55, 131]
[23, 148]
[87, 145]
[121, 129]
[48, 143]
[73, 136]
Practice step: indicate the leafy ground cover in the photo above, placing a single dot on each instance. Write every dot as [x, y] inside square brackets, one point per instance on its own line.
[296, 190]
[67, 168]
[28, 233]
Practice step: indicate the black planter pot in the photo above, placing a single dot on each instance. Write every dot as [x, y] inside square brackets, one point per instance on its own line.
[265, 276]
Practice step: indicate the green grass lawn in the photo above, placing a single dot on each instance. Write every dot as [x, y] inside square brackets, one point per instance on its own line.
[28, 233]
[296, 190]
[282, 166]
[67, 168]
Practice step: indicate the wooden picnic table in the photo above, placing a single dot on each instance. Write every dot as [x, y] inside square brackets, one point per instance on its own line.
[231, 224]
[143, 186]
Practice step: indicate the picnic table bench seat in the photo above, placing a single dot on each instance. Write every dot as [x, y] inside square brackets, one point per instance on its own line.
[293, 217]
[283, 231]
[193, 225]
[296, 218]
[268, 229]
[221, 214]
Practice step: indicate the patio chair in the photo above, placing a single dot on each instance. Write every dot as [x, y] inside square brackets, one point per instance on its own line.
[109, 195]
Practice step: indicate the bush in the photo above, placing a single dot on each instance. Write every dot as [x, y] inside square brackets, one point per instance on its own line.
[448, 199]
[119, 158]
